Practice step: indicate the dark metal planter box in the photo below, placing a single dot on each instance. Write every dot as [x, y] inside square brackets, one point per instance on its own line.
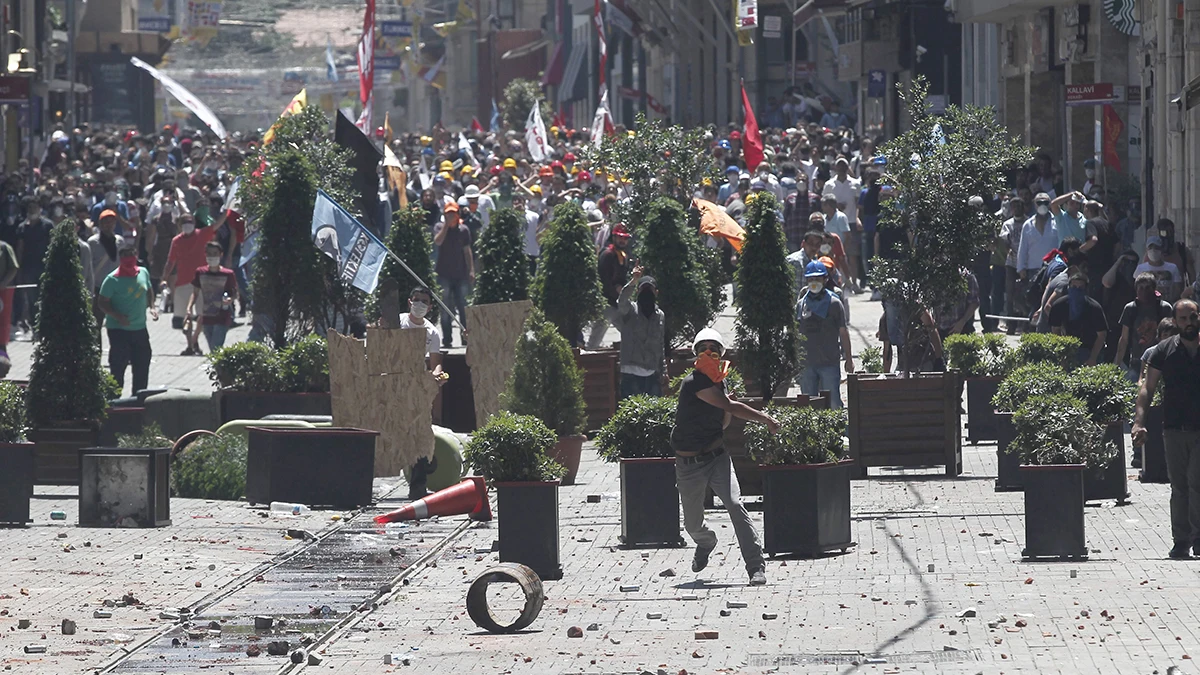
[255, 405]
[315, 467]
[1054, 512]
[905, 422]
[748, 473]
[528, 526]
[458, 398]
[1154, 455]
[125, 487]
[649, 502]
[124, 420]
[1008, 475]
[16, 483]
[1112, 481]
[806, 508]
[981, 415]
[56, 452]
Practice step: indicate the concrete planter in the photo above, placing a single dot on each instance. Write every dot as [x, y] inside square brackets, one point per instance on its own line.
[255, 405]
[16, 483]
[806, 508]
[905, 422]
[56, 451]
[1008, 474]
[981, 415]
[649, 502]
[125, 487]
[1154, 456]
[1054, 512]
[1111, 482]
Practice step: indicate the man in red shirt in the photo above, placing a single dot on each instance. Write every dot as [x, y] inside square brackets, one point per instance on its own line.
[184, 258]
[215, 290]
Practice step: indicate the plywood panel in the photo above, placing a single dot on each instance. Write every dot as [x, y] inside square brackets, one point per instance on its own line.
[495, 329]
[347, 372]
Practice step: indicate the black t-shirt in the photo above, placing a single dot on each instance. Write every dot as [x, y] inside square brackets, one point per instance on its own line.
[1180, 381]
[451, 262]
[1085, 327]
[1142, 322]
[698, 425]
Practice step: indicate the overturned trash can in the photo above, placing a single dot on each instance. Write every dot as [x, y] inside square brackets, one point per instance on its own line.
[511, 573]
[125, 487]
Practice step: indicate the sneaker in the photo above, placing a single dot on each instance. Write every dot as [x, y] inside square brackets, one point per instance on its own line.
[188, 352]
[700, 560]
[1136, 462]
[1180, 552]
[759, 578]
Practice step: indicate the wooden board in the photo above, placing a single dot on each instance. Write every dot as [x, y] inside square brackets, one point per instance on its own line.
[905, 422]
[495, 329]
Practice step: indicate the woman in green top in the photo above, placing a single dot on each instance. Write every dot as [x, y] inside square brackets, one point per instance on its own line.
[125, 295]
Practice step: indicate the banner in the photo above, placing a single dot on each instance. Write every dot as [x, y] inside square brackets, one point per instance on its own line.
[1113, 126]
[366, 66]
[331, 72]
[535, 134]
[598, 19]
[602, 120]
[396, 177]
[184, 96]
[201, 20]
[295, 106]
[752, 145]
[359, 255]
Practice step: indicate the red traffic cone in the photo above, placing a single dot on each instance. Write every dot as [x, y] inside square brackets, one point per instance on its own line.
[469, 496]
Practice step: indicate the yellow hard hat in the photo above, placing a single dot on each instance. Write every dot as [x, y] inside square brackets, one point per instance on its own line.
[446, 165]
[510, 163]
[447, 175]
[554, 130]
[536, 189]
[426, 140]
[467, 169]
[631, 133]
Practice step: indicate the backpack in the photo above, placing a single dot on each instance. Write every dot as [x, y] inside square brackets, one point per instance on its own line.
[1037, 286]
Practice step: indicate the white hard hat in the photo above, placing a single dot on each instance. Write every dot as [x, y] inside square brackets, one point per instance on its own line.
[708, 335]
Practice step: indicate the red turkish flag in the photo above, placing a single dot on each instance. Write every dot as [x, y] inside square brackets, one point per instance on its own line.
[752, 145]
[1113, 126]
[476, 127]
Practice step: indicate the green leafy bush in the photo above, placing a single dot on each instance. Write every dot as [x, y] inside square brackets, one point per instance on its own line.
[567, 285]
[245, 366]
[213, 467]
[151, 436]
[977, 355]
[768, 338]
[1060, 350]
[504, 271]
[66, 380]
[1026, 382]
[109, 385]
[520, 96]
[409, 239]
[12, 413]
[674, 255]
[1107, 393]
[1057, 429]
[806, 436]
[513, 448]
[871, 359]
[641, 427]
[304, 365]
[546, 382]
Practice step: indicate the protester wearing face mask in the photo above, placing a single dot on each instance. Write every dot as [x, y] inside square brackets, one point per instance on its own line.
[822, 320]
[215, 290]
[1039, 236]
[124, 297]
[1139, 325]
[186, 255]
[1082, 317]
[1173, 251]
[703, 411]
[1166, 274]
[642, 329]
[1176, 361]
[420, 301]
[1091, 187]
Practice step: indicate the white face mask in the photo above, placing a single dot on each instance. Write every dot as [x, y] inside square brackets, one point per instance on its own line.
[213, 260]
[825, 249]
[1090, 173]
[1043, 210]
[1154, 255]
[418, 309]
[188, 227]
[816, 286]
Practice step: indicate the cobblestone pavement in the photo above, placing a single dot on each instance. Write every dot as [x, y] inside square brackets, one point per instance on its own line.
[54, 570]
[936, 584]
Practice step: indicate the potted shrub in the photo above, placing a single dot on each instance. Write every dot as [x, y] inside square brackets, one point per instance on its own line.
[67, 394]
[806, 481]
[16, 480]
[566, 287]
[547, 384]
[912, 419]
[673, 254]
[1035, 379]
[511, 452]
[409, 239]
[638, 437]
[1057, 441]
[503, 274]
[213, 467]
[1109, 397]
[127, 483]
[254, 381]
[980, 361]
[1058, 350]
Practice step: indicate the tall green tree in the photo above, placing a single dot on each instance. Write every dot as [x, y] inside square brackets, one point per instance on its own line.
[504, 273]
[409, 239]
[66, 382]
[567, 285]
[546, 382]
[673, 254]
[767, 334]
[519, 98]
[937, 166]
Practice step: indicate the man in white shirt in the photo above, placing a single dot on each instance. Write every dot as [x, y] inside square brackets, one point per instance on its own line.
[532, 231]
[1167, 278]
[846, 188]
[1039, 236]
[420, 300]
[480, 204]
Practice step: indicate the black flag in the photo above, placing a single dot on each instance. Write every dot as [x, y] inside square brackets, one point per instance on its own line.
[366, 175]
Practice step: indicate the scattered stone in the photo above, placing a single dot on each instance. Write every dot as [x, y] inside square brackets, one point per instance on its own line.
[102, 614]
[735, 604]
[68, 627]
[689, 597]
[768, 616]
[632, 588]
[314, 660]
[762, 635]
[299, 656]
[253, 650]
[593, 626]
[726, 612]
[910, 602]
[137, 556]
[667, 573]
[35, 649]
[930, 567]
[707, 635]
[278, 648]
[214, 625]
[263, 622]
[58, 515]
[967, 613]
[593, 499]
[169, 616]
[574, 632]
[697, 654]
[62, 535]
[1073, 573]
[653, 615]
[1028, 581]
[24, 623]
[1021, 623]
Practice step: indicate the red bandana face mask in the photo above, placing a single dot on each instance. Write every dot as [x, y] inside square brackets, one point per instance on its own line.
[127, 266]
[710, 365]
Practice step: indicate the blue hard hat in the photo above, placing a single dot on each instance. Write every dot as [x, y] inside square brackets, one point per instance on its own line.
[723, 145]
[815, 269]
[427, 151]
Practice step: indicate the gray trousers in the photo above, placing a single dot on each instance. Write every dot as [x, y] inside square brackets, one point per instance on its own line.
[1182, 449]
[693, 481]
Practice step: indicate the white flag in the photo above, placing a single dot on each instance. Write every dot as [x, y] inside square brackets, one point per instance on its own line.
[535, 134]
[465, 146]
[600, 120]
[187, 98]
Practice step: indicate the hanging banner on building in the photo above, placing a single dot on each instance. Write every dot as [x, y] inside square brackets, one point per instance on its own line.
[156, 16]
[187, 98]
[201, 19]
[1113, 126]
[747, 14]
[1090, 94]
[1123, 15]
[876, 84]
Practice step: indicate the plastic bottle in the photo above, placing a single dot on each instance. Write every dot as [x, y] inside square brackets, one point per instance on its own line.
[286, 508]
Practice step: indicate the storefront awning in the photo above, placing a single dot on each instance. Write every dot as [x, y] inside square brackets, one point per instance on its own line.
[574, 64]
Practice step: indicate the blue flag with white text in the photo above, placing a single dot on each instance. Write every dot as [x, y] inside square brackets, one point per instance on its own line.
[337, 234]
[495, 121]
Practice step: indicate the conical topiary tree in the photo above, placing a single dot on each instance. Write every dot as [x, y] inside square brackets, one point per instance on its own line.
[767, 335]
[519, 98]
[409, 240]
[567, 285]
[289, 272]
[504, 273]
[546, 382]
[673, 254]
[65, 382]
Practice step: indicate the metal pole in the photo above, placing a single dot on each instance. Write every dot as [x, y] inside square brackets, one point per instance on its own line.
[69, 118]
[795, 29]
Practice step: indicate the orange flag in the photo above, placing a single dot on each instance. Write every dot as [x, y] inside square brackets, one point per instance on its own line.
[716, 223]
